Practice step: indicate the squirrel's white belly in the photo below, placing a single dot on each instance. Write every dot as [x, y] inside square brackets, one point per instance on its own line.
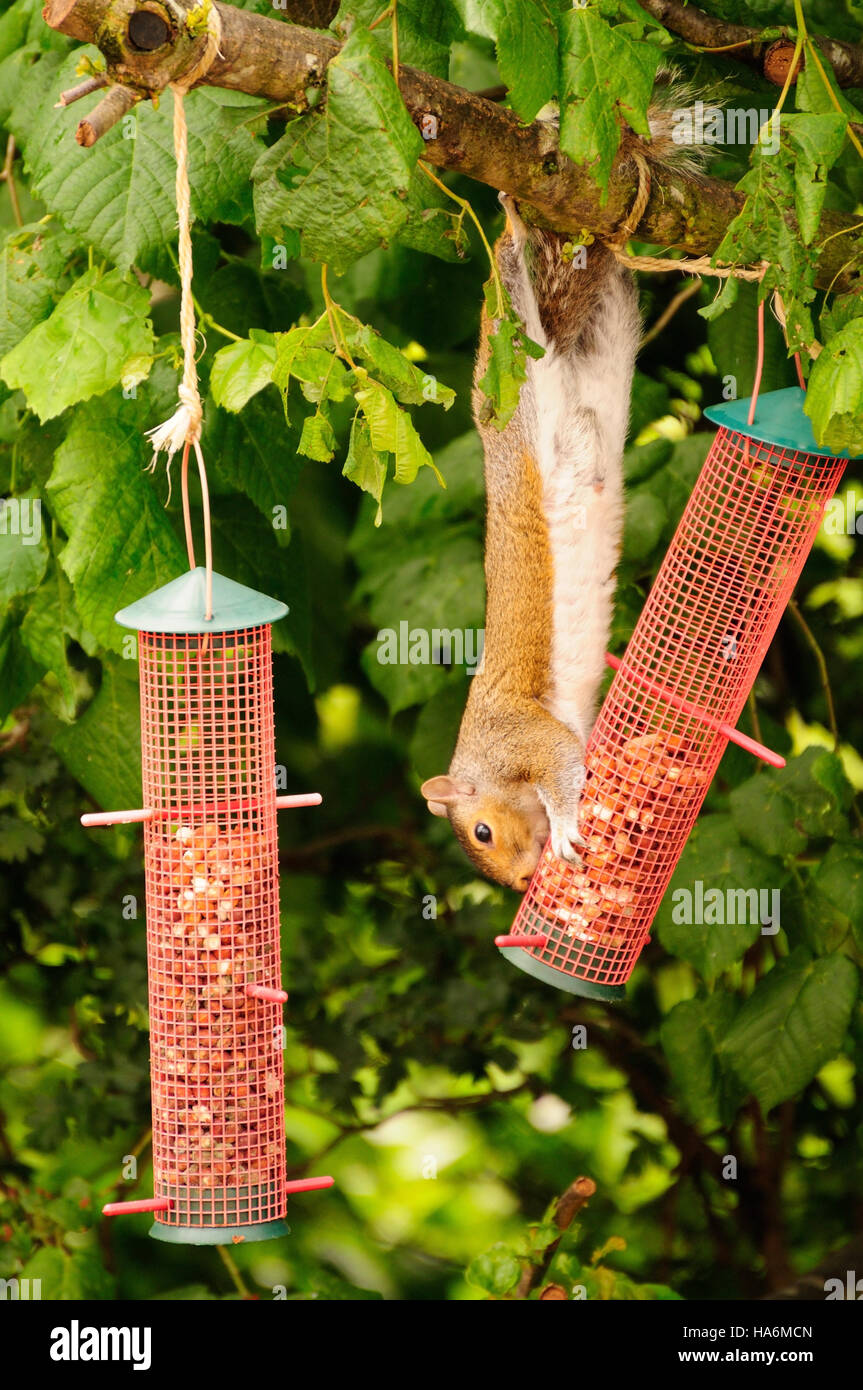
[582, 407]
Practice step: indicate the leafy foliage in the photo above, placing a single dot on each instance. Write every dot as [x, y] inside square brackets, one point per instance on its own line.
[452, 1097]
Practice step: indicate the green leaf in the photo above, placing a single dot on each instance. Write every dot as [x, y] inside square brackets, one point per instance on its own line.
[715, 858]
[83, 348]
[691, 1035]
[605, 78]
[254, 452]
[31, 268]
[794, 1021]
[416, 588]
[119, 195]
[497, 1271]
[391, 430]
[432, 225]
[426, 29]
[66, 1277]
[318, 439]
[388, 364]
[816, 142]
[644, 521]
[837, 884]
[364, 466]
[23, 24]
[733, 342]
[834, 401]
[785, 186]
[509, 348]
[47, 623]
[18, 840]
[436, 729]
[778, 810]
[121, 544]
[23, 552]
[18, 671]
[102, 749]
[240, 370]
[345, 171]
[308, 355]
[255, 556]
[527, 53]
[841, 311]
[811, 93]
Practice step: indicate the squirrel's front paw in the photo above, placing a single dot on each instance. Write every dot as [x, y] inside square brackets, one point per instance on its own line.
[566, 841]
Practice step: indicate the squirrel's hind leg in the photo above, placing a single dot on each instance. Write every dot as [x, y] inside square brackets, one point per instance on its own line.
[512, 263]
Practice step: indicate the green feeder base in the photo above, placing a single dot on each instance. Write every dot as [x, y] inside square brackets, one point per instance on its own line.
[218, 1235]
[570, 984]
[219, 1216]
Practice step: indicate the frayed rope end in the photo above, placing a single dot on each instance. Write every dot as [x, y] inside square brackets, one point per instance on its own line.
[184, 425]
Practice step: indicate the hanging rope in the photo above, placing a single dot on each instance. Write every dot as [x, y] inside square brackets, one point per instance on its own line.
[185, 424]
[813, 349]
[183, 429]
[759, 365]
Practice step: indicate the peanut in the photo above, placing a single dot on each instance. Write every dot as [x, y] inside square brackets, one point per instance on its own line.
[626, 790]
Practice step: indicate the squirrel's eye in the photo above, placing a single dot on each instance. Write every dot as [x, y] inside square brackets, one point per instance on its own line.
[482, 833]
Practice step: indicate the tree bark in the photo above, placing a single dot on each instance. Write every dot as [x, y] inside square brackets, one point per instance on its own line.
[286, 63]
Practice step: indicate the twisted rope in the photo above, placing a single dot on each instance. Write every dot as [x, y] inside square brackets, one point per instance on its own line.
[183, 429]
[185, 424]
[687, 265]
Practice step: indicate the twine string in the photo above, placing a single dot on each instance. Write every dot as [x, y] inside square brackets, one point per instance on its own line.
[759, 365]
[183, 429]
[617, 241]
[687, 265]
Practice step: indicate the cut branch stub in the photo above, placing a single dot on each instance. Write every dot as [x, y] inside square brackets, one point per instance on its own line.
[778, 60]
[148, 30]
[745, 43]
[145, 43]
[115, 104]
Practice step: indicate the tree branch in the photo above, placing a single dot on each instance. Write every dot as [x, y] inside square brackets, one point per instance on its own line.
[770, 56]
[567, 1207]
[286, 63]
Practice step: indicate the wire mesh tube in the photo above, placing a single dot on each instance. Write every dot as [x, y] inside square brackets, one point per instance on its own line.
[211, 862]
[703, 633]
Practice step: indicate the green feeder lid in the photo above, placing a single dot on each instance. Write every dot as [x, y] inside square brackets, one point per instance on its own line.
[779, 419]
[180, 606]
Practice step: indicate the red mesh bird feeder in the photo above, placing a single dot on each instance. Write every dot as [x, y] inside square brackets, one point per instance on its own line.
[211, 862]
[677, 693]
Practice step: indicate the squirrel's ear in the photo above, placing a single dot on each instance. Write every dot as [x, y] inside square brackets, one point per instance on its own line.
[438, 791]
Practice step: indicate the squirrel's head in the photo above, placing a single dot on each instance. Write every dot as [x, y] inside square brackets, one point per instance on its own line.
[503, 833]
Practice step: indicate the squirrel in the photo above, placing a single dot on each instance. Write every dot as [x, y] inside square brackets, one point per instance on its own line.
[554, 486]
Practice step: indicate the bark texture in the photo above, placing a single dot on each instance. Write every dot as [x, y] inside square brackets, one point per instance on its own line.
[286, 63]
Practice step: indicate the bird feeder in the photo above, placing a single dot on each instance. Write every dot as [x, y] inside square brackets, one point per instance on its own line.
[677, 694]
[212, 887]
